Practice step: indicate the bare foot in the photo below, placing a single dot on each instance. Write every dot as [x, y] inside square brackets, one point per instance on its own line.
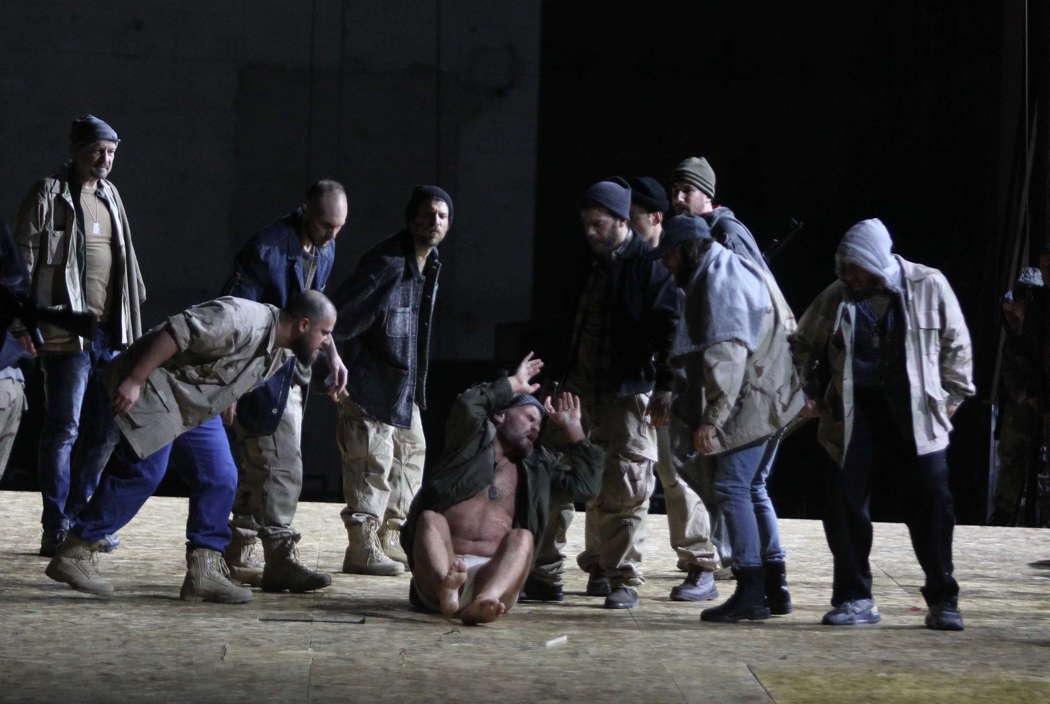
[482, 610]
[448, 592]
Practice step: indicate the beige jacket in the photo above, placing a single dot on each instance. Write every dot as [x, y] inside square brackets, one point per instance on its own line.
[52, 246]
[749, 397]
[225, 348]
[938, 356]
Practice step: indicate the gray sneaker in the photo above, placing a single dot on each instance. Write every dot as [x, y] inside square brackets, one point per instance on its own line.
[853, 613]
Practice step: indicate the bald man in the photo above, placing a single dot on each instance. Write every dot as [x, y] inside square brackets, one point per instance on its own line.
[292, 255]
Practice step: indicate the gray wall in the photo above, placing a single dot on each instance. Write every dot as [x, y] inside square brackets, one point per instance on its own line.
[226, 110]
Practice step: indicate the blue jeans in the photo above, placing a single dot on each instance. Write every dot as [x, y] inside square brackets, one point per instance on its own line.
[740, 486]
[76, 406]
[211, 477]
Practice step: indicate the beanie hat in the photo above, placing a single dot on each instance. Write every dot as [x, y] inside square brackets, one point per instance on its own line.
[525, 400]
[648, 194]
[680, 229]
[696, 171]
[87, 130]
[425, 194]
[614, 195]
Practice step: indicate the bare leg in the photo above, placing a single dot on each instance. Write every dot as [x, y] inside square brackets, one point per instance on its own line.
[497, 584]
[437, 572]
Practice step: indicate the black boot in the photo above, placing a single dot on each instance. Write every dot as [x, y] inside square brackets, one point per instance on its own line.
[748, 601]
[778, 598]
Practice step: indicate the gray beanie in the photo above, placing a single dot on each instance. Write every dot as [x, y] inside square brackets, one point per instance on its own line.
[87, 130]
[698, 172]
[614, 196]
[525, 400]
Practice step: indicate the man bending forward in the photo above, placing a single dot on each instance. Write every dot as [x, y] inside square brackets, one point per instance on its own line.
[471, 530]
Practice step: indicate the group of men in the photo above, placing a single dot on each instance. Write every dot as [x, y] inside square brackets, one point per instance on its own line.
[686, 363]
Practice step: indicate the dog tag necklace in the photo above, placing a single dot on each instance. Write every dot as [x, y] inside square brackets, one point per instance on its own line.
[96, 229]
[494, 492]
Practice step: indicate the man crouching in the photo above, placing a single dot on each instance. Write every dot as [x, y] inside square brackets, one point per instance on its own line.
[470, 533]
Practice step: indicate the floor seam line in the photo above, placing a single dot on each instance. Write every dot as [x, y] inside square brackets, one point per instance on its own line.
[760, 683]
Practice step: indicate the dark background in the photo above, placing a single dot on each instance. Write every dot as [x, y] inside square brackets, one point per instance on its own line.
[916, 113]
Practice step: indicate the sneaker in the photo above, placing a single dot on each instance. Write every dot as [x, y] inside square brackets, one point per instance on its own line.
[853, 613]
[622, 598]
[598, 585]
[699, 585]
[535, 590]
[944, 616]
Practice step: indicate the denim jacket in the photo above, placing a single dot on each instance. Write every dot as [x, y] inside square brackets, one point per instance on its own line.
[385, 310]
[269, 269]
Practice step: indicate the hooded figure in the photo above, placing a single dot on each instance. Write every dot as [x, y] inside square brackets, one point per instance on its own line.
[886, 357]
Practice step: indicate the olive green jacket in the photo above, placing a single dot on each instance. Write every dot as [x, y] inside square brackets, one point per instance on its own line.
[469, 466]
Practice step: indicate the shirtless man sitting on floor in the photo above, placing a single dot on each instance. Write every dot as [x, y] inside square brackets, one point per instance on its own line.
[471, 530]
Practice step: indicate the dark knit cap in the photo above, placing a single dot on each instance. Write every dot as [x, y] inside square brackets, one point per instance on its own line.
[698, 172]
[614, 195]
[648, 193]
[525, 400]
[425, 194]
[680, 229]
[87, 130]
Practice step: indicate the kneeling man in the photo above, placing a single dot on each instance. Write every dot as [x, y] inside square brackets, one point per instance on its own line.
[472, 528]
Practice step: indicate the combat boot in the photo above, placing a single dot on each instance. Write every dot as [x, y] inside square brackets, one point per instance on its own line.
[390, 539]
[208, 579]
[778, 598]
[364, 554]
[747, 603]
[284, 571]
[241, 557]
[76, 563]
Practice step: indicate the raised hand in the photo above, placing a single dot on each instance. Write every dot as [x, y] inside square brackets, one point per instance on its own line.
[520, 380]
[566, 414]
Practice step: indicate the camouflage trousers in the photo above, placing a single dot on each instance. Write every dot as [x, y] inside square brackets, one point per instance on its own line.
[1021, 432]
[382, 466]
[271, 473]
[12, 406]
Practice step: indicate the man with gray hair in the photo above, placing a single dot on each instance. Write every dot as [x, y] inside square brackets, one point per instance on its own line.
[75, 240]
[887, 361]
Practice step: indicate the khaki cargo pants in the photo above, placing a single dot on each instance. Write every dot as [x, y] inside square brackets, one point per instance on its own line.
[12, 406]
[271, 473]
[688, 520]
[382, 466]
[615, 528]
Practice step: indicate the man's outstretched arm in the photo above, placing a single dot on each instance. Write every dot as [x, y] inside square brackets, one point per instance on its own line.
[149, 352]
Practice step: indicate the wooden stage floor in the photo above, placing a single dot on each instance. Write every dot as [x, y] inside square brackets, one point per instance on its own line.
[144, 645]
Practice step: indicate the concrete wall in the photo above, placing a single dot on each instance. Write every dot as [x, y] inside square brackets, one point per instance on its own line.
[226, 110]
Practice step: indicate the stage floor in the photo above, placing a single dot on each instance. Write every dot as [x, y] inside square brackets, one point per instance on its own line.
[144, 645]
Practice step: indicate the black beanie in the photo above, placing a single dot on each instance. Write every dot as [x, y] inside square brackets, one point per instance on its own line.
[613, 195]
[424, 194]
[647, 193]
[697, 171]
[87, 130]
